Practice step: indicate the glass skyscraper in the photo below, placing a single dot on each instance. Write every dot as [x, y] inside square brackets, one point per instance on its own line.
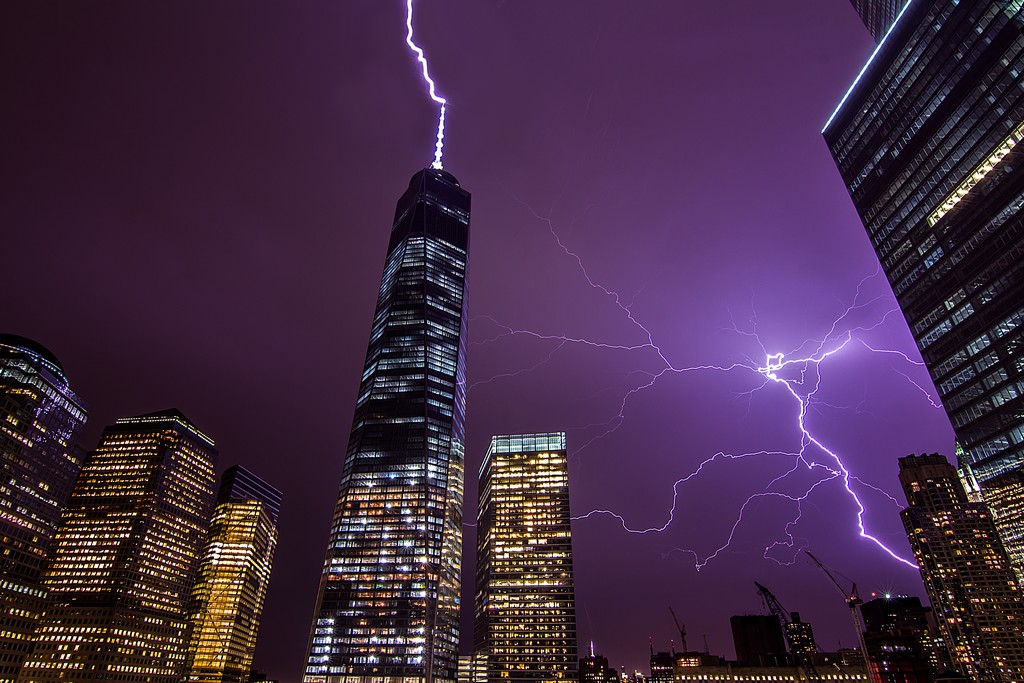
[388, 604]
[878, 15]
[231, 586]
[525, 616]
[971, 585]
[125, 556]
[40, 420]
[926, 141]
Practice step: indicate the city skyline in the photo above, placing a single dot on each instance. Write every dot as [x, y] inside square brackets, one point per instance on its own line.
[260, 221]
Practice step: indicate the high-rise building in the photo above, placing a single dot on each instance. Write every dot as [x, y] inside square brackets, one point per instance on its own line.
[231, 586]
[878, 15]
[926, 141]
[388, 605]
[800, 637]
[896, 635]
[971, 586]
[125, 556]
[525, 618]
[40, 421]
[594, 669]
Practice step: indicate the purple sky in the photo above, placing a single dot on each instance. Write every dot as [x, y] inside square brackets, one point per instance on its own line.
[196, 205]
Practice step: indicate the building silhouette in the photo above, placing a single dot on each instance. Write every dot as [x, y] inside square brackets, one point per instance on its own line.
[971, 585]
[897, 637]
[124, 558]
[41, 418]
[759, 640]
[800, 637]
[926, 143]
[594, 668]
[878, 15]
[525, 617]
[388, 604]
[231, 585]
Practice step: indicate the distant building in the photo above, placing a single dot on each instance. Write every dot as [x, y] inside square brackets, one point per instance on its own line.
[800, 636]
[231, 586]
[759, 640]
[966, 572]
[594, 669]
[41, 418]
[899, 640]
[878, 15]
[525, 627]
[125, 556]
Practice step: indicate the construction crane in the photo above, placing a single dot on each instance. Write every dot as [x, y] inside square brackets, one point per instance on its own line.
[680, 627]
[776, 608]
[852, 598]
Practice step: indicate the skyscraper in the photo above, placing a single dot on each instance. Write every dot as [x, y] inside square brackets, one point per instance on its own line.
[878, 15]
[40, 420]
[231, 586]
[525, 627]
[124, 558]
[926, 142]
[897, 638]
[388, 605]
[972, 588]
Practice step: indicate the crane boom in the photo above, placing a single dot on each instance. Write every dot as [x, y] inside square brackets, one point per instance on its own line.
[680, 627]
[852, 598]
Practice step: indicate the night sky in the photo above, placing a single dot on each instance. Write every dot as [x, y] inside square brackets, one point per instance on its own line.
[196, 206]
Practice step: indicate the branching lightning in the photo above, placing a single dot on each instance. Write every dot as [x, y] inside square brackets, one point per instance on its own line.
[798, 373]
[422, 59]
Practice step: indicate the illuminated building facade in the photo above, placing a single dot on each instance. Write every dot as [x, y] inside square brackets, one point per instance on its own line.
[971, 585]
[231, 586]
[926, 141]
[388, 605]
[124, 559]
[877, 15]
[594, 669]
[40, 420]
[800, 637]
[896, 634]
[525, 618]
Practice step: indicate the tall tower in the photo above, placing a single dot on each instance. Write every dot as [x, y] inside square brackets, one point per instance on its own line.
[124, 558]
[231, 586]
[972, 588]
[40, 420]
[878, 15]
[926, 141]
[525, 626]
[388, 605]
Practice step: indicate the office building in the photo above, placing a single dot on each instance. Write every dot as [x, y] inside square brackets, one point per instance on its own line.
[800, 637]
[41, 418]
[525, 618]
[897, 638]
[124, 559]
[878, 15]
[231, 585]
[388, 604]
[971, 585]
[594, 669]
[926, 141]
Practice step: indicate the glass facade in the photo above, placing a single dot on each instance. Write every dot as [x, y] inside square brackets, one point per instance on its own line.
[231, 586]
[388, 605]
[125, 556]
[40, 421]
[927, 144]
[525, 619]
[971, 585]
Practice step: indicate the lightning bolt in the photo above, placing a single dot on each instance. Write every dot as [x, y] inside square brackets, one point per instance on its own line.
[422, 59]
[799, 375]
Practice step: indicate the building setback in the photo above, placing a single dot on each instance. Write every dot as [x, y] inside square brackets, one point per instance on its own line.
[926, 141]
[125, 556]
[231, 586]
[388, 604]
[971, 586]
[40, 421]
[525, 616]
